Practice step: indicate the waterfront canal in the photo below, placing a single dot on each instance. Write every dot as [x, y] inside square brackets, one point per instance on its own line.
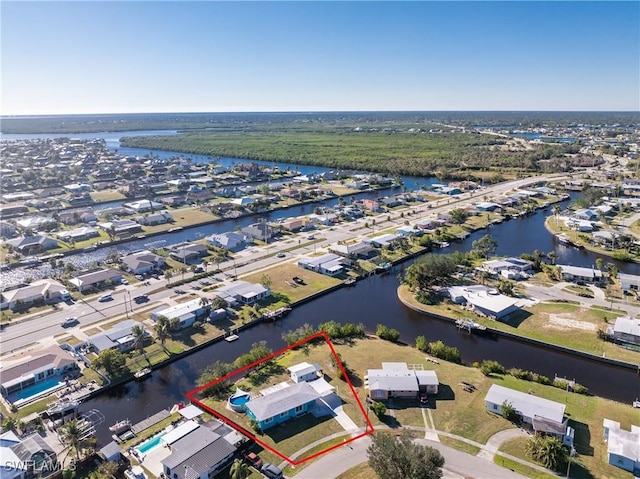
[371, 302]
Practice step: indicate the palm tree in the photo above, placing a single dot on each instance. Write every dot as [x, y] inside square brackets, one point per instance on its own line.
[74, 436]
[138, 334]
[239, 469]
[162, 329]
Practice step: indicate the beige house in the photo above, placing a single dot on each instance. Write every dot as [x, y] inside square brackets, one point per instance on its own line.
[397, 380]
[42, 290]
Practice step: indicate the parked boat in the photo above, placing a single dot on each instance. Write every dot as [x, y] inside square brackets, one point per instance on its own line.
[470, 325]
[383, 267]
[567, 241]
[231, 338]
[120, 427]
[177, 228]
[62, 407]
[636, 403]
[350, 282]
[142, 373]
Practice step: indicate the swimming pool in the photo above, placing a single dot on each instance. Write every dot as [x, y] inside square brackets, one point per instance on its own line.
[41, 388]
[149, 444]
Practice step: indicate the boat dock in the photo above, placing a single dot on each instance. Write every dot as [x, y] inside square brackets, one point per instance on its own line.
[150, 421]
[276, 314]
[470, 325]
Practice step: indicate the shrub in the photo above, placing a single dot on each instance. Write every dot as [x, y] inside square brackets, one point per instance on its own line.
[539, 378]
[489, 367]
[442, 351]
[387, 333]
[378, 408]
[422, 344]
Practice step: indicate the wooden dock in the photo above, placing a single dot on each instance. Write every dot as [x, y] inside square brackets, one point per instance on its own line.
[150, 421]
[276, 314]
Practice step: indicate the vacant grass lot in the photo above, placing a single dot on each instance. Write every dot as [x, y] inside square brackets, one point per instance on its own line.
[282, 283]
[107, 195]
[563, 324]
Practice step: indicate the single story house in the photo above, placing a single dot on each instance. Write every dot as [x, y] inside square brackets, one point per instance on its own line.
[486, 301]
[26, 457]
[329, 264]
[359, 250]
[259, 231]
[41, 290]
[495, 266]
[577, 273]
[33, 244]
[143, 262]
[543, 415]
[371, 205]
[78, 234]
[623, 447]
[186, 313]
[188, 252]
[142, 206]
[121, 227]
[408, 230]
[629, 282]
[281, 405]
[96, 279]
[159, 218]
[625, 330]
[242, 292]
[293, 224]
[583, 226]
[230, 241]
[201, 453]
[487, 206]
[382, 240]
[41, 365]
[303, 372]
[395, 379]
[119, 337]
[585, 214]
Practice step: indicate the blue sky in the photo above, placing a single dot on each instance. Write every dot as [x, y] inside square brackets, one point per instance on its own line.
[113, 57]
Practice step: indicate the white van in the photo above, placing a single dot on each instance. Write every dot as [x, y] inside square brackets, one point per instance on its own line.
[64, 295]
[104, 298]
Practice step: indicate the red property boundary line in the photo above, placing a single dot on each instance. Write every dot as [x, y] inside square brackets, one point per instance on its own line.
[368, 429]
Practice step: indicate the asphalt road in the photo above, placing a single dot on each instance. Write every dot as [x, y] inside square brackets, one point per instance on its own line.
[23, 333]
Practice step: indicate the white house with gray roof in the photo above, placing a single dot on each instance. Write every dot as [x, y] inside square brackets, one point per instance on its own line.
[242, 292]
[185, 313]
[329, 264]
[119, 337]
[625, 330]
[578, 273]
[96, 278]
[542, 414]
[395, 379]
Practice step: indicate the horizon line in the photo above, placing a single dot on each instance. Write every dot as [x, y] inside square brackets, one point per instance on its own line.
[265, 112]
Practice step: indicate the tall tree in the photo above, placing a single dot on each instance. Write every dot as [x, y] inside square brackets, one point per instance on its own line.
[485, 246]
[162, 330]
[397, 457]
[138, 334]
[111, 360]
[431, 270]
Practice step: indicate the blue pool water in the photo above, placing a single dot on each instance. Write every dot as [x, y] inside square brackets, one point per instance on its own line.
[239, 400]
[37, 389]
[149, 444]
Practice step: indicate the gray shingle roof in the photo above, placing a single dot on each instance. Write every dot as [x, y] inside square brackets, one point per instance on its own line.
[282, 401]
[200, 451]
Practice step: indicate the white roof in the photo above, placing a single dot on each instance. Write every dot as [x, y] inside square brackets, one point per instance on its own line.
[321, 386]
[623, 443]
[179, 310]
[303, 367]
[580, 271]
[627, 326]
[190, 411]
[427, 378]
[179, 432]
[526, 404]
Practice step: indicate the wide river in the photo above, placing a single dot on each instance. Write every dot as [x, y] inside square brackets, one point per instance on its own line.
[371, 302]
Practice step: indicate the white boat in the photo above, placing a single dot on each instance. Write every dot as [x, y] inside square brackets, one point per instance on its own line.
[231, 338]
[636, 403]
[142, 373]
[120, 426]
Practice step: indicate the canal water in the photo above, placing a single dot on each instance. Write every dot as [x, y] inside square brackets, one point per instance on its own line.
[371, 302]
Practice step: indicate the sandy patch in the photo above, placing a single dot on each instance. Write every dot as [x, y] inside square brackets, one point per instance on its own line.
[559, 321]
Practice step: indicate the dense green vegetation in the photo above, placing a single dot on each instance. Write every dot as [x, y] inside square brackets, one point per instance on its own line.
[394, 150]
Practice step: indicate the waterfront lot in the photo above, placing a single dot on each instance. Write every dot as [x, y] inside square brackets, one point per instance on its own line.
[294, 434]
[564, 324]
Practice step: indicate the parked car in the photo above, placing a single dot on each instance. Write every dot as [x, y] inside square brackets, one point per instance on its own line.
[69, 322]
[271, 471]
[424, 400]
[104, 298]
[254, 460]
[139, 277]
[124, 281]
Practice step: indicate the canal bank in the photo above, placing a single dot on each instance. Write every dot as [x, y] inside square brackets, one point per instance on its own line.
[406, 298]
